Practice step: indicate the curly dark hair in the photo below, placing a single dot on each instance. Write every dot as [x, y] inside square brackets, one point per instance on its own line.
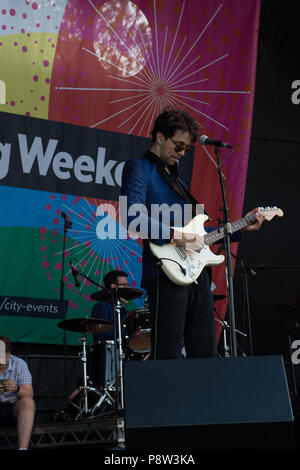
[171, 120]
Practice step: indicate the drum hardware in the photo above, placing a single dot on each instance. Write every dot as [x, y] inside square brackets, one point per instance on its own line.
[115, 296]
[95, 325]
[120, 357]
[138, 356]
[84, 388]
[75, 401]
[106, 384]
[140, 340]
[111, 294]
[104, 397]
[86, 326]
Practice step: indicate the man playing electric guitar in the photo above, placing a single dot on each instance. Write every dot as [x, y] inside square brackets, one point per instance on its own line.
[178, 310]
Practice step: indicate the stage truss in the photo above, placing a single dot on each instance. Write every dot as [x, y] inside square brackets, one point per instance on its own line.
[101, 433]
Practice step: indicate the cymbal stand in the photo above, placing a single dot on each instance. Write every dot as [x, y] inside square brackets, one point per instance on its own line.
[119, 355]
[105, 397]
[119, 359]
[84, 388]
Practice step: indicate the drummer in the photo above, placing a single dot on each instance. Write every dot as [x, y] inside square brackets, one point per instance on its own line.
[104, 310]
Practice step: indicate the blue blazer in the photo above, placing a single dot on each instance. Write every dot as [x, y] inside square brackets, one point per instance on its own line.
[146, 184]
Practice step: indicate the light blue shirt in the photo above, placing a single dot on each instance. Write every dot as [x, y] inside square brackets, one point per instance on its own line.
[18, 371]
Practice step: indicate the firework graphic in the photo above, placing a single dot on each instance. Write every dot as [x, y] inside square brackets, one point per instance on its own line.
[90, 247]
[149, 64]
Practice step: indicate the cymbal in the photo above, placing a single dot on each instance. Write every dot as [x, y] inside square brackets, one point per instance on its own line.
[219, 297]
[110, 295]
[290, 305]
[88, 325]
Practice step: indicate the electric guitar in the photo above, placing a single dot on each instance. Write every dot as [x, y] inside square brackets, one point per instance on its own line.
[183, 266]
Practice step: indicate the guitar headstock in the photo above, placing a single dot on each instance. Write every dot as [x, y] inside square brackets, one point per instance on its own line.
[270, 212]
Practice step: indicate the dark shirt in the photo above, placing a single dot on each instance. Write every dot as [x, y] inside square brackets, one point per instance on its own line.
[104, 311]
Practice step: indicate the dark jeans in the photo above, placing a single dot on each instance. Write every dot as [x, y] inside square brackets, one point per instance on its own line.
[181, 313]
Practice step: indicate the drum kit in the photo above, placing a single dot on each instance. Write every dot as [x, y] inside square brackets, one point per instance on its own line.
[107, 390]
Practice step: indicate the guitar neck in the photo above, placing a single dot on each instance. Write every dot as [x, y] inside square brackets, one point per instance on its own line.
[218, 234]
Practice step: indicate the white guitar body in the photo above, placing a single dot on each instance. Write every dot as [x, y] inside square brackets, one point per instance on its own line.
[180, 260]
[184, 266]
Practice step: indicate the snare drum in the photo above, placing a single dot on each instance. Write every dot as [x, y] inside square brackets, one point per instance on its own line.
[140, 340]
[102, 372]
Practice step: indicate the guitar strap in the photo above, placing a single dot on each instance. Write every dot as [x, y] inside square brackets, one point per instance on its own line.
[187, 196]
[180, 187]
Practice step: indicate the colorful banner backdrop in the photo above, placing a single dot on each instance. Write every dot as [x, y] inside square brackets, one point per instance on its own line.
[81, 83]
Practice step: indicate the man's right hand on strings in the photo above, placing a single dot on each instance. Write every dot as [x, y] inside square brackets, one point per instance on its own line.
[189, 241]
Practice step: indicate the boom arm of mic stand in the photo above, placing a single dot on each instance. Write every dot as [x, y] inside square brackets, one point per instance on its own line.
[91, 280]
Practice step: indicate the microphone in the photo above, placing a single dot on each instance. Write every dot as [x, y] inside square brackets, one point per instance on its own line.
[204, 140]
[75, 273]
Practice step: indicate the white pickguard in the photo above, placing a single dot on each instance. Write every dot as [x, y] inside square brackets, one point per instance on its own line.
[192, 262]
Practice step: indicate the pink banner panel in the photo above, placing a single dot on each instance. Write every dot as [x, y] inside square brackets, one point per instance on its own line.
[113, 66]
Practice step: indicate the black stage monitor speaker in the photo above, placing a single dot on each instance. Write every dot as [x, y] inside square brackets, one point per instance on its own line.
[229, 403]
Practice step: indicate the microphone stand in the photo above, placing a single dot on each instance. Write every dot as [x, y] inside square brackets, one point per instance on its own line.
[228, 262]
[67, 225]
[246, 269]
[225, 326]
